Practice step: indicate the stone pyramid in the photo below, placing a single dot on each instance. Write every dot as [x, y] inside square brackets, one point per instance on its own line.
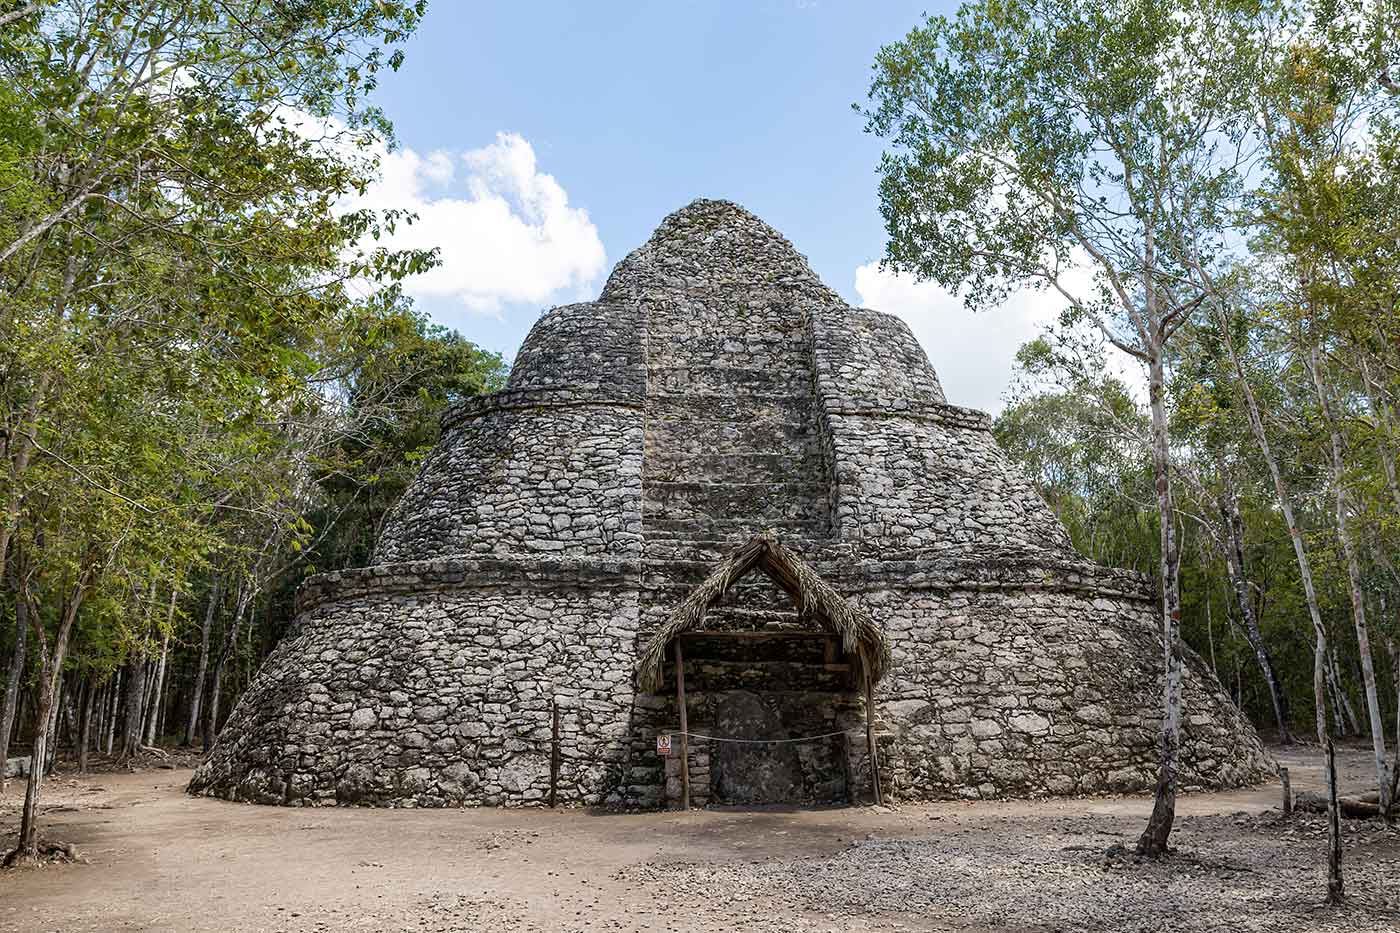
[715, 390]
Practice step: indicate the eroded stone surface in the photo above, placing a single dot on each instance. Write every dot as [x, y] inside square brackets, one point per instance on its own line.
[716, 389]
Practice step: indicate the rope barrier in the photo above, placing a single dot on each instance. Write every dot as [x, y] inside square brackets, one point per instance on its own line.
[804, 738]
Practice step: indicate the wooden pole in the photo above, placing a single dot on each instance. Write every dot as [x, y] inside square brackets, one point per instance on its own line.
[1287, 792]
[553, 751]
[685, 728]
[870, 738]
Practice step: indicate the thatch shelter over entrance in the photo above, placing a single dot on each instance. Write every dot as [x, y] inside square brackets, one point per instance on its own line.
[773, 694]
[813, 597]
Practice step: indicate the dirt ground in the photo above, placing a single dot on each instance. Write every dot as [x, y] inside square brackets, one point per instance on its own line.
[155, 859]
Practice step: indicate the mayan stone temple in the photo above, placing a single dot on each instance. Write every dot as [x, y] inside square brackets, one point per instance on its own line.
[720, 463]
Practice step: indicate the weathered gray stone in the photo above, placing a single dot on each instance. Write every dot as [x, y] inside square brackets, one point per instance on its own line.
[716, 389]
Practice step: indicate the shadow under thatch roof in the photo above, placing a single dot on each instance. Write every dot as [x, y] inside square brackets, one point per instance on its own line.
[814, 598]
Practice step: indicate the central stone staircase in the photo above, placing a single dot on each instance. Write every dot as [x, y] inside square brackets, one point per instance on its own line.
[732, 442]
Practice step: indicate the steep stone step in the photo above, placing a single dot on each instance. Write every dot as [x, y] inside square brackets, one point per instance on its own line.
[722, 356]
[758, 502]
[796, 408]
[729, 380]
[668, 324]
[660, 546]
[746, 466]
[685, 438]
[730, 532]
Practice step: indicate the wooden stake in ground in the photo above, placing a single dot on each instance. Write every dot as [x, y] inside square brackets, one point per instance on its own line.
[685, 728]
[1336, 890]
[870, 740]
[553, 751]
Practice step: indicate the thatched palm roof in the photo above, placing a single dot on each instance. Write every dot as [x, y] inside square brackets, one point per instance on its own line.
[815, 599]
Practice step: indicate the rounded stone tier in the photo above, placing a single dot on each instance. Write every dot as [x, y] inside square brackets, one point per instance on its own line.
[717, 389]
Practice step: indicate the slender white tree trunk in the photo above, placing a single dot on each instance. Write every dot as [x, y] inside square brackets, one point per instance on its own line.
[112, 713]
[1239, 582]
[1335, 884]
[216, 595]
[157, 692]
[1358, 597]
[50, 672]
[1153, 840]
[153, 708]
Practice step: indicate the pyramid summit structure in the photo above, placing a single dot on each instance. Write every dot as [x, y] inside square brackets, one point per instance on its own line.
[720, 463]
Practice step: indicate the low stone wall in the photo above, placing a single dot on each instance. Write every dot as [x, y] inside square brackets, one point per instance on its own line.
[444, 699]
[1014, 693]
[434, 684]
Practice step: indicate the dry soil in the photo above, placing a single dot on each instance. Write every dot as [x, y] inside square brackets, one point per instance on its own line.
[155, 859]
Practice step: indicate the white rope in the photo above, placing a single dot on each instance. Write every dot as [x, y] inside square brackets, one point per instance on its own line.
[805, 738]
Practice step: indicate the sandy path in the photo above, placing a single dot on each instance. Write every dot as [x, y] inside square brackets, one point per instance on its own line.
[156, 859]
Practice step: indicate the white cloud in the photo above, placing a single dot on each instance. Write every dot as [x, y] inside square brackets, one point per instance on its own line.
[973, 354]
[505, 229]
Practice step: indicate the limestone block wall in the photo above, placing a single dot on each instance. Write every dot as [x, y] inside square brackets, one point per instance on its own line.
[845, 342]
[914, 476]
[440, 698]
[595, 347]
[715, 390]
[710, 248]
[934, 482]
[1030, 692]
[526, 472]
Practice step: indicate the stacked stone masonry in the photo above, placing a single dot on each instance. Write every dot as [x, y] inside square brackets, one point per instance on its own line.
[717, 389]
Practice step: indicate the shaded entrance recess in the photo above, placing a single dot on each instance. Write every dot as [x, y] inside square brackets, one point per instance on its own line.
[771, 677]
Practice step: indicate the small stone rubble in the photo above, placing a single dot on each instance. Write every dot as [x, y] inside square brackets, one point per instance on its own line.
[717, 389]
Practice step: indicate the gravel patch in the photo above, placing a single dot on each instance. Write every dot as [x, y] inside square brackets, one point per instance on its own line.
[1228, 873]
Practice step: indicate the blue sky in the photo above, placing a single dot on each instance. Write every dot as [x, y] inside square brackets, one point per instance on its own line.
[540, 142]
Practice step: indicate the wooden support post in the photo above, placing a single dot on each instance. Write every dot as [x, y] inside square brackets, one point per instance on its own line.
[1287, 792]
[554, 752]
[685, 728]
[870, 738]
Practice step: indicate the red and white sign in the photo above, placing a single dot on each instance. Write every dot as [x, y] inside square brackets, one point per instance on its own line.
[663, 746]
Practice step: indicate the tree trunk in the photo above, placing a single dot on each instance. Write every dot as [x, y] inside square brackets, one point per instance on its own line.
[216, 595]
[68, 715]
[133, 721]
[1346, 718]
[55, 707]
[158, 691]
[50, 668]
[211, 719]
[1210, 639]
[85, 729]
[1358, 597]
[1394, 653]
[112, 712]
[1295, 536]
[1234, 563]
[12, 682]
[1153, 841]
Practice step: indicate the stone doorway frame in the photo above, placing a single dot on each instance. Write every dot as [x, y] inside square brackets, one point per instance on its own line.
[815, 599]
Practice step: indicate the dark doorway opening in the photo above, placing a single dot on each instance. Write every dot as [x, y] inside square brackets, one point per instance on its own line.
[775, 714]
